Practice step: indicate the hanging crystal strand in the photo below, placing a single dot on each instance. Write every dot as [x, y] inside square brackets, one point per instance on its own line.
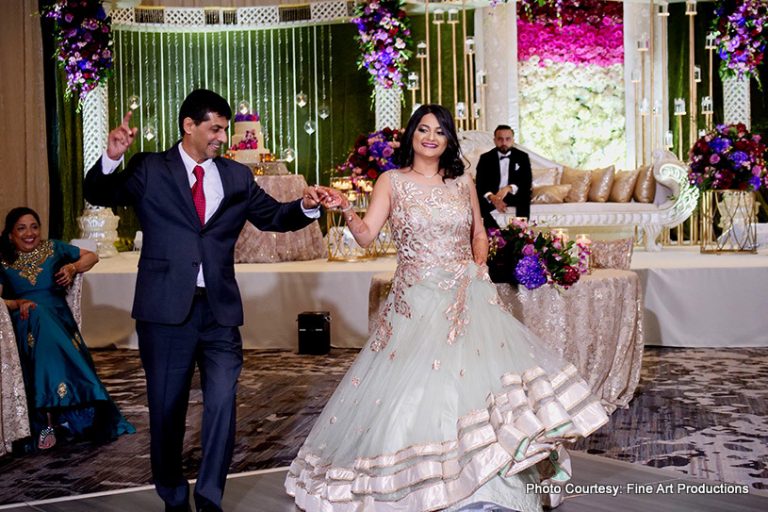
[279, 136]
[142, 92]
[153, 100]
[118, 106]
[162, 126]
[177, 76]
[329, 52]
[269, 99]
[288, 154]
[245, 61]
[310, 126]
[248, 81]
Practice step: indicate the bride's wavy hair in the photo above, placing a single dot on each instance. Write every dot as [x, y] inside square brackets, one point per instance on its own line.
[7, 249]
[451, 161]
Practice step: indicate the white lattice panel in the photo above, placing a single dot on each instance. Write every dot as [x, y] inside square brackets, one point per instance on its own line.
[736, 101]
[185, 17]
[95, 125]
[258, 16]
[328, 10]
[388, 107]
[122, 16]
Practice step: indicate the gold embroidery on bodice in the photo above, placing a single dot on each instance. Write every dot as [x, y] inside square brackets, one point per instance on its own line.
[431, 227]
[30, 264]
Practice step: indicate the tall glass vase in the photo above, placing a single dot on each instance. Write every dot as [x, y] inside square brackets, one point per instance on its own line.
[734, 213]
[100, 224]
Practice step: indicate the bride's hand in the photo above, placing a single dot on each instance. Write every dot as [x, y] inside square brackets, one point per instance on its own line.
[335, 200]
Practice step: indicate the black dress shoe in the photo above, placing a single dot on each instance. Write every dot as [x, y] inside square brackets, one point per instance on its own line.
[184, 507]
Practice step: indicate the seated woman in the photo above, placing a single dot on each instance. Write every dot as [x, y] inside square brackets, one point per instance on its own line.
[62, 386]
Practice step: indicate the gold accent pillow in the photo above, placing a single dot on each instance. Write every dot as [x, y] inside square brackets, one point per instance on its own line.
[645, 188]
[579, 182]
[543, 177]
[549, 194]
[623, 186]
[602, 181]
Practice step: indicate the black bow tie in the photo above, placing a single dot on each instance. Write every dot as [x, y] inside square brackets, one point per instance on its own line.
[502, 157]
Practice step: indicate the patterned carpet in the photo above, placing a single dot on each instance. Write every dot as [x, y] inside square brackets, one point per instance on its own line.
[703, 412]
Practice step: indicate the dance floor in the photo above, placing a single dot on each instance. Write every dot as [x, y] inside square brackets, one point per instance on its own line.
[599, 485]
[690, 299]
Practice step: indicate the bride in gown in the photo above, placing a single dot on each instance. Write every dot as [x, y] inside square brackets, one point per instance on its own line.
[452, 403]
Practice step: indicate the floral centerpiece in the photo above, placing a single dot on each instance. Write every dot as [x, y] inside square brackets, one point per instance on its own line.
[520, 255]
[742, 36]
[383, 36]
[373, 154]
[728, 158]
[83, 39]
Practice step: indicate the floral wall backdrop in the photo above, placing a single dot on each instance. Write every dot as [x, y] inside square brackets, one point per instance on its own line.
[571, 69]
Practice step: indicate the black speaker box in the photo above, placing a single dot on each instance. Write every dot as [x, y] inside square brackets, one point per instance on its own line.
[314, 332]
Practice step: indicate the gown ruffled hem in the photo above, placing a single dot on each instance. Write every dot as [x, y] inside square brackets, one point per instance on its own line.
[521, 426]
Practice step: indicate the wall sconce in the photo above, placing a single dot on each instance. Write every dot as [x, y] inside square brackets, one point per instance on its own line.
[711, 41]
[690, 7]
[469, 46]
[697, 74]
[421, 50]
[706, 105]
[461, 110]
[413, 81]
[679, 106]
[664, 12]
[453, 16]
[438, 17]
[643, 44]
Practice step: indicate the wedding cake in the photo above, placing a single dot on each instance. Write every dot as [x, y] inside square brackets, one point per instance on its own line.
[248, 140]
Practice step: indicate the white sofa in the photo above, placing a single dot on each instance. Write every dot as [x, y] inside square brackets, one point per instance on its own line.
[674, 202]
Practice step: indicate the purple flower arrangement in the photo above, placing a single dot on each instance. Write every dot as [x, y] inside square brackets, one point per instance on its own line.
[84, 39]
[253, 117]
[520, 255]
[729, 157]
[383, 36]
[373, 154]
[742, 35]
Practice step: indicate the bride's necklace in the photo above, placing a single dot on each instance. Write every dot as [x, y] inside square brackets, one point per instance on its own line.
[425, 175]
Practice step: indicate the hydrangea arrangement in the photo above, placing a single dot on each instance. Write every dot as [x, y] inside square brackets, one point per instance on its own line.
[248, 116]
[373, 154]
[83, 39]
[520, 255]
[742, 36]
[383, 36]
[729, 157]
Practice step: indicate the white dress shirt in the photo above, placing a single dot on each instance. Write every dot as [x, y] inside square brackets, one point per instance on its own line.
[503, 175]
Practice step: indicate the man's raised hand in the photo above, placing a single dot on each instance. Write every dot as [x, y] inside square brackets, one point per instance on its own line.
[121, 138]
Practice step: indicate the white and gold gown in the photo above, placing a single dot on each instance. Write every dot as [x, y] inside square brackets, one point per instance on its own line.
[452, 401]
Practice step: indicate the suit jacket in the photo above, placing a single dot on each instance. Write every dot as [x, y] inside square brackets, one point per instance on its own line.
[175, 244]
[487, 180]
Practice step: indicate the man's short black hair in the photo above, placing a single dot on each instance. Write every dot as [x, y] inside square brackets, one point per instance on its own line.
[199, 103]
[503, 127]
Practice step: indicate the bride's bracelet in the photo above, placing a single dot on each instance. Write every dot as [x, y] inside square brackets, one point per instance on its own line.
[349, 207]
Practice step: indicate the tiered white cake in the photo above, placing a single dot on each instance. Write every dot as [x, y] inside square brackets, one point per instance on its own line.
[248, 141]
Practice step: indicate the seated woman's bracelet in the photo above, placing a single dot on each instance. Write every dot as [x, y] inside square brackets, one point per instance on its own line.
[349, 207]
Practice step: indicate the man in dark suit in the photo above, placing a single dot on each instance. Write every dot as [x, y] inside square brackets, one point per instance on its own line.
[192, 206]
[503, 178]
